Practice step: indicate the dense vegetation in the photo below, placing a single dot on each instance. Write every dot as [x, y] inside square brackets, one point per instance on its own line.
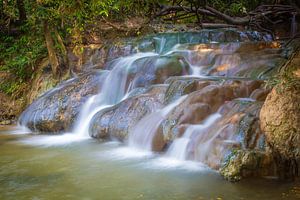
[33, 29]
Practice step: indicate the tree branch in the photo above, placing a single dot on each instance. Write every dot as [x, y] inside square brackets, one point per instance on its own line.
[169, 9]
[229, 19]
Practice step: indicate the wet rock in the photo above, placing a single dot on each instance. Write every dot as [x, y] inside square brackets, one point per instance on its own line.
[194, 113]
[157, 69]
[200, 103]
[260, 94]
[247, 154]
[119, 49]
[147, 70]
[56, 110]
[167, 66]
[116, 122]
[181, 86]
[280, 120]
[236, 59]
[245, 163]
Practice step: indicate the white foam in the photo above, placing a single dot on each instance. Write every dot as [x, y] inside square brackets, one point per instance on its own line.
[54, 140]
[164, 163]
[123, 153]
[19, 130]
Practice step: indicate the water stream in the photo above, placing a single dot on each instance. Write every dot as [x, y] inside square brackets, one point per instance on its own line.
[115, 87]
[179, 147]
[143, 132]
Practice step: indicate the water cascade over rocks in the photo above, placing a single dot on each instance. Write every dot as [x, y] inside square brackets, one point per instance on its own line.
[115, 81]
[180, 146]
[195, 96]
[143, 132]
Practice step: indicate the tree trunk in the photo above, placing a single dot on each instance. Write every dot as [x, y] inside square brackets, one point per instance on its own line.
[51, 50]
[62, 46]
[22, 11]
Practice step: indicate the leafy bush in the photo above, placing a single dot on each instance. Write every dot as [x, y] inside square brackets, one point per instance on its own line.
[19, 55]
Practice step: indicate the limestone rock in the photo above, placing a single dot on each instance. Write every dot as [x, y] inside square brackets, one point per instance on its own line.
[280, 120]
[116, 122]
[56, 110]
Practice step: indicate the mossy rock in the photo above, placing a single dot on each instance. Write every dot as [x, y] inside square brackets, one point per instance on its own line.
[247, 163]
[280, 120]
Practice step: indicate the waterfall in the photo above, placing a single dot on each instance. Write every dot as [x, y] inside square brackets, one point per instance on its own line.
[207, 146]
[202, 142]
[142, 134]
[179, 147]
[112, 91]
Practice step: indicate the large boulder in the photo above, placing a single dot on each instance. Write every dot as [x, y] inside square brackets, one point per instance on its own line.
[280, 121]
[56, 110]
[117, 121]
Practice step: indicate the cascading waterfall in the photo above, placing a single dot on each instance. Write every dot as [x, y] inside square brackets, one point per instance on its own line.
[141, 136]
[116, 86]
[200, 57]
[179, 147]
[113, 90]
[191, 56]
[206, 146]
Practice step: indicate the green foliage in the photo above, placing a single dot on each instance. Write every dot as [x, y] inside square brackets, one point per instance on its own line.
[19, 55]
[20, 52]
[11, 86]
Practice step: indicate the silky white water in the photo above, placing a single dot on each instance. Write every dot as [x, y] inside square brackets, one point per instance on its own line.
[179, 147]
[142, 134]
[112, 91]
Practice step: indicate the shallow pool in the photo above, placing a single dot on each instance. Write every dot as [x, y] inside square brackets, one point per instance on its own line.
[33, 167]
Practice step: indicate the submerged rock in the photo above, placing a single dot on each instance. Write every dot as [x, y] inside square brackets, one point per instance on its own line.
[117, 121]
[56, 110]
